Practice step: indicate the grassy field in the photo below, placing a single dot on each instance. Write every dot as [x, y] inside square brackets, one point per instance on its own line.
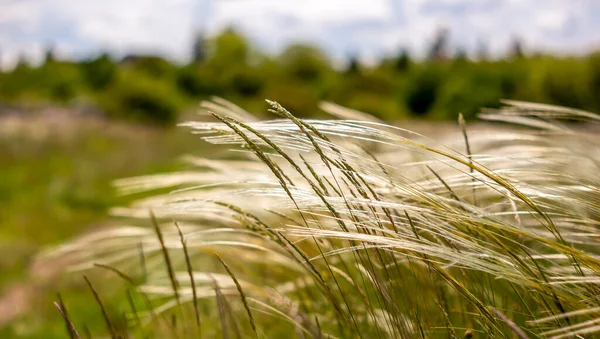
[313, 229]
[57, 171]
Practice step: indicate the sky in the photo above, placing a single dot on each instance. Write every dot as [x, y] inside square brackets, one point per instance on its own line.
[368, 29]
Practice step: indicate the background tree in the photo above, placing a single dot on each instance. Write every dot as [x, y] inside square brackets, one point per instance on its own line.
[516, 49]
[99, 72]
[227, 65]
[49, 56]
[353, 65]
[402, 61]
[439, 48]
[199, 48]
[304, 63]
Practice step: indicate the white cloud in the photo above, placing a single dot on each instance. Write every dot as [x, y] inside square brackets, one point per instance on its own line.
[80, 26]
[343, 27]
[307, 11]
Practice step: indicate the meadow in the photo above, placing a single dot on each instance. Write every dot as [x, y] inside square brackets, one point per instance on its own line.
[57, 170]
[349, 228]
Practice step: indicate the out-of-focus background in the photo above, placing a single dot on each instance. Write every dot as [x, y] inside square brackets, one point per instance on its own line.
[90, 92]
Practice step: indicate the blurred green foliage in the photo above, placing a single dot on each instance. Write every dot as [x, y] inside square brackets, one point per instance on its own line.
[151, 88]
[140, 95]
[99, 73]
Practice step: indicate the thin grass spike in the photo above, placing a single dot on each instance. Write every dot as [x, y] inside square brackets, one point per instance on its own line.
[109, 324]
[62, 309]
[242, 295]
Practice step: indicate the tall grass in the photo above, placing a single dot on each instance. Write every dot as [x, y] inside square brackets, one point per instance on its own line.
[356, 228]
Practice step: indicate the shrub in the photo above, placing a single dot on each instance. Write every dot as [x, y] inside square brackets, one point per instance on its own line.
[422, 92]
[304, 63]
[62, 91]
[138, 97]
[247, 82]
[564, 86]
[150, 65]
[299, 97]
[59, 81]
[99, 73]
[467, 92]
[191, 82]
[594, 81]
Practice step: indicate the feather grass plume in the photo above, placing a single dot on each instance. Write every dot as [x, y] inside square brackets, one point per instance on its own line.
[356, 228]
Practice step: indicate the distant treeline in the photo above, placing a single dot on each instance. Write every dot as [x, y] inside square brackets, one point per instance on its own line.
[437, 87]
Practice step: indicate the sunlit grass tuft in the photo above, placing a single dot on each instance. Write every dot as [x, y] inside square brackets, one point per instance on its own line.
[356, 228]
